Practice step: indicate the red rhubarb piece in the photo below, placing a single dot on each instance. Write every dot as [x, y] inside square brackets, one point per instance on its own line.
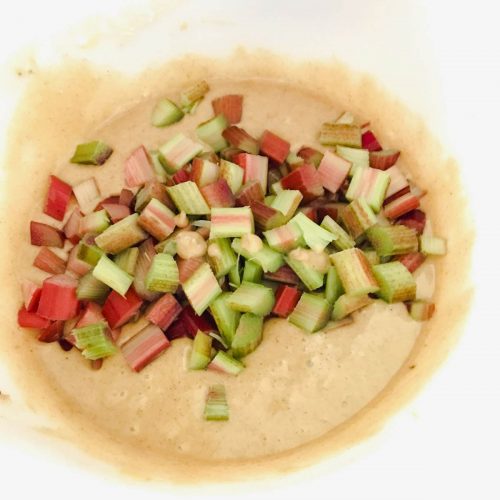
[396, 195]
[48, 261]
[251, 191]
[239, 138]
[333, 171]
[117, 310]
[76, 265]
[138, 168]
[310, 155]
[113, 200]
[397, 183]
[231, 106]
[255, 168]
[43, 235]
[385, 159]
[181, 176]
[369, 141]
[72, 227]
[274, 146]
[311, 212]
[412, 261]
[415, 219]
[265, 216]
[286, 300]
[144, 347]
[188, 266]
[58, 299]
[116, 211]
[57, 198]
[91, 315]
[126, 198]
[27, 319]
[284, 274]
[401, 206]
[31, 295]
[307, 180]
[53, 333]
[218, 194]
[191, 322]
[164, 311]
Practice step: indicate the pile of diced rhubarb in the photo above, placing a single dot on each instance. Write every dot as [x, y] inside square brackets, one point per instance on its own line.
[214, 232]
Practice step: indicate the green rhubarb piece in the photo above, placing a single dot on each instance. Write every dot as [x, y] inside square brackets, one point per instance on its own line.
[167, 246]
[333, 286]
[110, 274]
[276, 188]
[316, 237]
[268, 200]
[216, 407]
[397, 284]
[122, 235]
[432, 245]
[91, 153]
[188, 198]
[221, 256]
[371, 185]
[163, 275]
[201, 351]
[311, 313]
[210, 132]
[284, 238]
[252, 272]
[225, 363]
[287, 202]
[231, 222]
[95, 222]
[90, 288]
[127, 260]
[151, 191]
[161, 174]
[372, 256]
[357, 217]
[392, 240]
[342, 239]
[252, 297]
[235, 275]
[192, 95]
[89, 253]
[360, 158]
[177, 152]
[233, 175]
[347, 304]
[166, 113]
[93, 341]
[355, 272]
[248, 335]
[293, 159]
[421, 310]
[332, 134]
[266, 257]
[312, 278]
[226, 318]
[201, 288]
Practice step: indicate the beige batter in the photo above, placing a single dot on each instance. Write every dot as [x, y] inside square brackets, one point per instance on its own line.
[301, 395]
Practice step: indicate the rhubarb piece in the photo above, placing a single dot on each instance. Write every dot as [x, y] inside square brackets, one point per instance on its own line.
[90, 316]
[210, 132]
[118, 310]
[398, 182]
[204, 172]
[415, 219]
[252, 272]
[432, 245]
[310, 155]
[121, 235]
[333, 286]
[58, 299]
[239, 138]
[333, 171]
[276, 187]
[221, 256]
[355, 272]
[231, 106]
[287, 202]
[286, 300]
[90, 288]
[347, 304]
[95, 222]
[192, 322]
[26, 319]
[188, 198]
[265, 216]
[225, 316]
[342, 240]
[218, 194]
[372, 256]
[274, 147]
[200, 353]
[316, 237]
[359, 158]
[392, 240]
[88, 253]
[224, 363]
[255, 168]
[233, 174]
[412, 261]
[48, 261]
[401, 206]
[31, 295]
[201, 288]
[251, 297]
[164, 311]
[91, 153]
[369, 141]
[332, 134]
[163, 275]
[248, 335]
[248, 193]
[357, 217]
[312, 278]
[231, 222]
[166, 113]
[193, 94]
[235, 275]
[87, 195]
[159, 169]
[144, 347]
[58, 198]
[53, 333]
[284, 274]
[113, 199]
[311, 313]
[396, 282]
[146, 254]
[72, 227]
[110, 274]
[229, 153]
[177, 152]
[284, 238]
[116, 211]
[306, 179]
[421, 310]
[151, 190]
[157, 219]
[188, 266]
[216, 407]
[43, 235]
[266, 257]
[385, 159]
[369, 184]
[93, 341]
[127, 260]
[75, 265]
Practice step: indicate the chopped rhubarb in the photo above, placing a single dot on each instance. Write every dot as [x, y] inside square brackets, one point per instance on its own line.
[248, 335]
[342, 240]
[306, 179]
[415, 219]
[284, 238]
[210, 132]
[151, 190]
[224, 363]
[311, 277]
[181, 176]
[371, 185]
[286, 300]
[126, 197]
[310, 155]
[192, 322]
[240, 139]
[177, 152]
[287, 202]
[316, 237]
[251, 297]
[265, 216]
[396, 282]
[58, 299]
[432, 245]
[116, 211]
[231, 106]
[76, 265]
[87, 195]
[31, 295]
[157, 219]
[216, 407]
[113, 276]
[392, 240]
[72, 227]
[201, 288]
[121, 235]
[369, 141]
[225, 316]
[255, 167]
[332, 134]
[421, 310]
[333, 286]
[127, 260]
[144, 347]
[138, 168]
[382, 160]
[95, 222]
[347, 304]
[401, 206]
[91, 153]
[311, 313]
[26, 319]
[398, 182]
[249, 192]
[359, 158]
[221, 256]
[412, 261]
[188, 198]
[146, 253]
[285, 275]
[188, 266]
[91, 315]
[163, 275]
[266, 257]
[333, 171]
[48, 261]
[233, 174]
[119, 309]
[57, 198]
[43, 235]
[231, 222]
[193, 94]
[357, 217]
[200, 353]
[88, 252]
[204, 172]
[274, 147]
[218, 194]
[53, 332]
[166, 113]
[164, 311]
